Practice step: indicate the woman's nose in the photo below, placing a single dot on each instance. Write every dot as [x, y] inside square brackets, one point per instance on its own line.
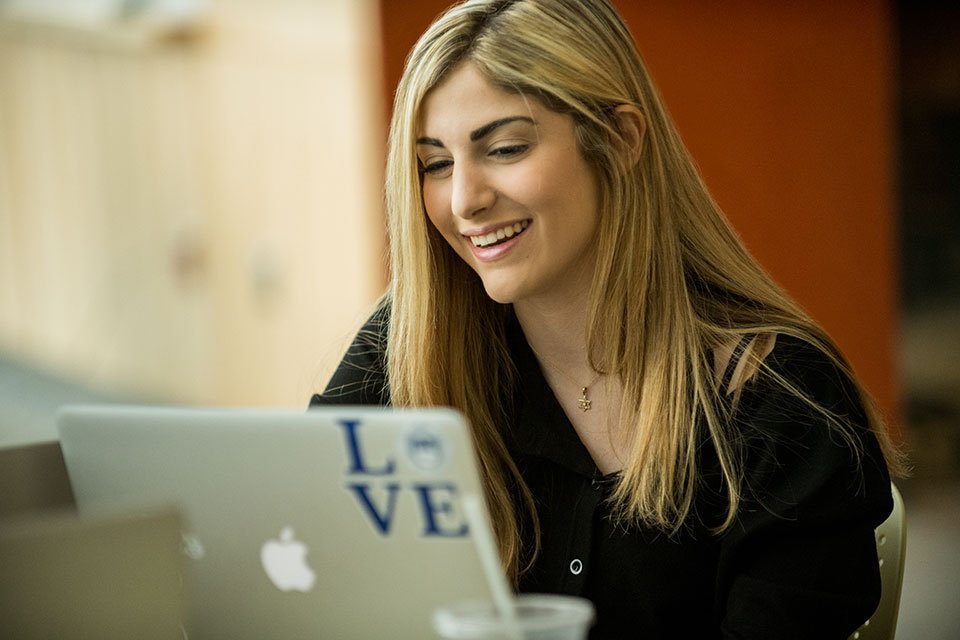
[472, 191]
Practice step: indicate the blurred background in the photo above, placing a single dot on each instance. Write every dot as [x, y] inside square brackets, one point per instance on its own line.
[190, 201]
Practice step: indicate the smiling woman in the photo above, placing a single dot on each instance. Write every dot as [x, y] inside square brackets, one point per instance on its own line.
[661, 429]
[494, 162]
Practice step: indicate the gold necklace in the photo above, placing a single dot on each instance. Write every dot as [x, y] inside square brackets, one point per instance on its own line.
[583, 401]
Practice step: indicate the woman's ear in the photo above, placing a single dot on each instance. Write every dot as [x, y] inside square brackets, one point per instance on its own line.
[632, 126]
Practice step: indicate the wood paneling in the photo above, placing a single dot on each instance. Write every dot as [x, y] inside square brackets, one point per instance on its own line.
[199, 220]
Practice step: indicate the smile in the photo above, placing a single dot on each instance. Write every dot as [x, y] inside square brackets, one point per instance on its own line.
[500, 235]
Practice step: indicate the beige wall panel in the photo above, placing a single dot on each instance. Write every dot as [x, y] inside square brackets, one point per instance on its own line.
[195, 222]
[297, 193]
[9, 261]
[50, 195]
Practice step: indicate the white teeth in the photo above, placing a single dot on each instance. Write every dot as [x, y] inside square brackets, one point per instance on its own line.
[499, 234]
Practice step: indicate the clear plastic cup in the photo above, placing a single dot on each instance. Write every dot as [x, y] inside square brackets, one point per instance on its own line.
[538, 617]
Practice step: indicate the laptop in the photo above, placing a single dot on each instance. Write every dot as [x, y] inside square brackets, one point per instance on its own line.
[337, 522]
[33, 478]
[113, 576]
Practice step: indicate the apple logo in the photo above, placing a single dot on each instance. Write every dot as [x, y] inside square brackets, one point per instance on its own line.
[285, 562]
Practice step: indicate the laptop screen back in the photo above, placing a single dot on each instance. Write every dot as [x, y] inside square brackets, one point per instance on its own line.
[333, 523]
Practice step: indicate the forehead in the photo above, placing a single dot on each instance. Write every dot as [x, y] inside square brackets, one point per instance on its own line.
[465, 100]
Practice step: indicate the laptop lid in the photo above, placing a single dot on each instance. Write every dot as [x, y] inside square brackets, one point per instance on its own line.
[337, 522]
[112, 576]
[33, 478]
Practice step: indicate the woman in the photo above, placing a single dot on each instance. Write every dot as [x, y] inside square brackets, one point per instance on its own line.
[660, 428]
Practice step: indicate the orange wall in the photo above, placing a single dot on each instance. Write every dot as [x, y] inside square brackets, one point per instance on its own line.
[787, 109]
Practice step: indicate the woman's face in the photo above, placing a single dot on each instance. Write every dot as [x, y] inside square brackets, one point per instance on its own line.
[506, 186]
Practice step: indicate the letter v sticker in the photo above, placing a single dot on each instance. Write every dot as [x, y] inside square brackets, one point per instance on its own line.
[381, 521]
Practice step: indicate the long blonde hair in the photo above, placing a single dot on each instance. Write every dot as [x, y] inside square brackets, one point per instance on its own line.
[672, 283]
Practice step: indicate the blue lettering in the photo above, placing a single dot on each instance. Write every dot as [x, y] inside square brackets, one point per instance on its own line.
[433, 502]
[353, 446]
[381, 522]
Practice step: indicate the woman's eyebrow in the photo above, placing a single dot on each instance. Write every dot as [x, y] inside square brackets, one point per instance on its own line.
[486, 129]
[481, 132]
[433, 142]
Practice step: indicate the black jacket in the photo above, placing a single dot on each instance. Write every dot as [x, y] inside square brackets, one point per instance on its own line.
[800, 560]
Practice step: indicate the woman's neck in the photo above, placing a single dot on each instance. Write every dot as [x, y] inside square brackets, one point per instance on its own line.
[591, 401]
[556, 331]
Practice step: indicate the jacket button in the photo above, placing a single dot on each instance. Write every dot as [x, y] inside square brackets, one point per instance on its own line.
[576, 566]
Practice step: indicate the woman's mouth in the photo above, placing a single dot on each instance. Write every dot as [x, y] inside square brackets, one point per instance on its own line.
[496, 244]
[500, 235]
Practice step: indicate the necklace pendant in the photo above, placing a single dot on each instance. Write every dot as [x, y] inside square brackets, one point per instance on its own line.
[584, 402]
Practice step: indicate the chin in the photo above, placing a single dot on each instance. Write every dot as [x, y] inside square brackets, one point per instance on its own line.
[500, 294]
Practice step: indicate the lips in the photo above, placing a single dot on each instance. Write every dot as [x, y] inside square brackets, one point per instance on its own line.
[498, 236]
[492, 242]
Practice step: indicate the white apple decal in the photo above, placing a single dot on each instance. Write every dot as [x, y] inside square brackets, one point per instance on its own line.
[285, 561]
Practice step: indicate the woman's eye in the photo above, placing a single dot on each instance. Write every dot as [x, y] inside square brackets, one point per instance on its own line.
[437, 166]
[510, 150]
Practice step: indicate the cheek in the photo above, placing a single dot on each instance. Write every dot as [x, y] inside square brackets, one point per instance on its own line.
[556, 183]
[577, 186]
[433, 202]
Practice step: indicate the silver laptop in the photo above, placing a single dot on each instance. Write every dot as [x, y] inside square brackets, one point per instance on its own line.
[111, 576]
[331, 523]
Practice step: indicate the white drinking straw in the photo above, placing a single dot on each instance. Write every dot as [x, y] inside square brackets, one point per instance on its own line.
[483, 539]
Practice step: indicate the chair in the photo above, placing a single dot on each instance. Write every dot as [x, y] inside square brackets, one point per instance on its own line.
[891, 551]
